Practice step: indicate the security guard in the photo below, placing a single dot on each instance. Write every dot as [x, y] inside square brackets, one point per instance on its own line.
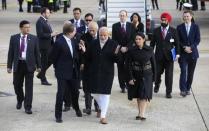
[50, 3]
[30, 2]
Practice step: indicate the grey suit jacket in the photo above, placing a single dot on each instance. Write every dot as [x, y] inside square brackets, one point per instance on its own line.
[32, 55]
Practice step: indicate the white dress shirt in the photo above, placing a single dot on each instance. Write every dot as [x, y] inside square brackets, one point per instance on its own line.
[188, 26]
[68, 40]
[25, 48]
[121, 24]
[78, 22]
[102, 43]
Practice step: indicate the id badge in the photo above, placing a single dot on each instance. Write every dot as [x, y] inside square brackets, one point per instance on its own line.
[23, 55]
[171, 40]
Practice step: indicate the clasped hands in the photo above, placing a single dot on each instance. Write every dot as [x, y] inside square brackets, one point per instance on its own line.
[188, 49]
[122, 49]
[131, 82]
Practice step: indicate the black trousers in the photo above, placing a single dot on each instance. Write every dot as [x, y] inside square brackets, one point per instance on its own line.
[72, 86]
[102, 2]
[155, 3]
[20, 5]
[167, 66]
[87, 94]
[122, 72]
[45, 63]
[202, 4]
[4, 4]
[65, 7]
[50, 6]
[29, 6]
[54, 5]
[45, 3]
[195, 4]
[67, 98]
[18, 80]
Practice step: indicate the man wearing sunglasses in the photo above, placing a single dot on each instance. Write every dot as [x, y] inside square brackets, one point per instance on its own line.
[84, 29]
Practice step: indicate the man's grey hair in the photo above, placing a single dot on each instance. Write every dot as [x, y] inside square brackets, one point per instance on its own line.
[103, 29]
[93, 24]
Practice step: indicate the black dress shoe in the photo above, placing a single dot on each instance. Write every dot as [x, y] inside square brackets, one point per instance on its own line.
[123, 91]
[156, 89]
[142, 118]
[38, 76]
[46, 83]
[168, 96]
[87, 111]
[78, 113]
[19, 105]
[28, 111]
[183, 93]
[59, 120]
[137, 117]
[66, 108]
[188, 93]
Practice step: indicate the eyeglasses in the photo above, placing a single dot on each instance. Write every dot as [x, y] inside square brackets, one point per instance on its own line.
[88, 20]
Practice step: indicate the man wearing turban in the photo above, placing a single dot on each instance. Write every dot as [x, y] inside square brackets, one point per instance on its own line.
[166, 43]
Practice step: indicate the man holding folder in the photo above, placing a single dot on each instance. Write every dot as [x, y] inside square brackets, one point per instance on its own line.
[166, 42]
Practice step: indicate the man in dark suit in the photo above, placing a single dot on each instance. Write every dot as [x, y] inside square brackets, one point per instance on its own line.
[65, 56]
[67, 96]
[77, 21]
[189, 37]
[81, 31]
[123, 33]
[45, 36]
[165, 38]
[24, 55]
[84, 67]
[84, 29]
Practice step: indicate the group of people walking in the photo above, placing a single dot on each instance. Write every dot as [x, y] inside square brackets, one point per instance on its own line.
[84, 49]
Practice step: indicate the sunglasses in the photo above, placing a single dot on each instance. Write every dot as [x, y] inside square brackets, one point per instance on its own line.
[88, 20]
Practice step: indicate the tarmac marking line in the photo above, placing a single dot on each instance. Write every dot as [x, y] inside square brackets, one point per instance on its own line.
[203, 119]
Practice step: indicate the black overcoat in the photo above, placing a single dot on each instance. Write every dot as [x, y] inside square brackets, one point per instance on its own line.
[143, 76]
[101, 66]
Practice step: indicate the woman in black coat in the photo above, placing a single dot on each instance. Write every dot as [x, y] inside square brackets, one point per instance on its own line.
[136, 21]
[141, 67]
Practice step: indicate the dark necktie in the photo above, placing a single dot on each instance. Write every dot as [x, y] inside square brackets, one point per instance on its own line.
[164, 33]
[123, 28]
[76, 24]
[22, 45]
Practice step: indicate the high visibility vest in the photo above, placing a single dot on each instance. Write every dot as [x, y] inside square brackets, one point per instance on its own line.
[29, 0]
[50, 1]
